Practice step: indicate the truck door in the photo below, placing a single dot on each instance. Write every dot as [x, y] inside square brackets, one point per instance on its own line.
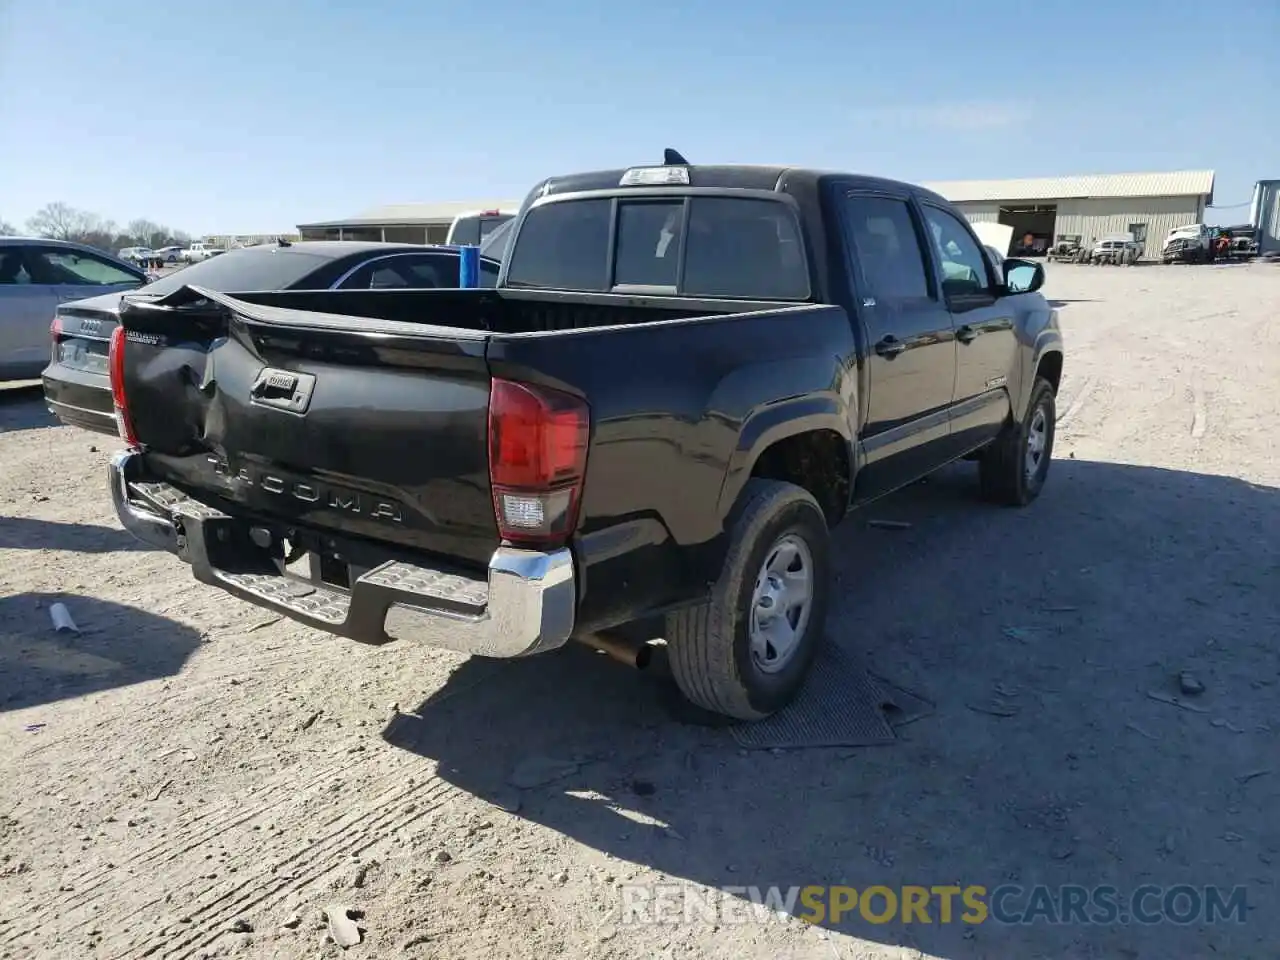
[911, 352]
[986, 344]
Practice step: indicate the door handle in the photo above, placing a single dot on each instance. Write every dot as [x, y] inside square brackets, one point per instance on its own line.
[967, 334]
[890, 347]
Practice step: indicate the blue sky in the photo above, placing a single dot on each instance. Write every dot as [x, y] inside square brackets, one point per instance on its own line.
[237, 116]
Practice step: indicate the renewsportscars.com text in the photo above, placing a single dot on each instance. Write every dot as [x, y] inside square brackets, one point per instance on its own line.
[1009, 904]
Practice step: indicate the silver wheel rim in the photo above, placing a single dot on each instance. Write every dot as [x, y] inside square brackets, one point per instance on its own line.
[1037, 443]
[781, 603]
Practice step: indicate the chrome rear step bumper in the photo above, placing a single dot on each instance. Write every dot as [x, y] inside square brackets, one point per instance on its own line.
[526, 606]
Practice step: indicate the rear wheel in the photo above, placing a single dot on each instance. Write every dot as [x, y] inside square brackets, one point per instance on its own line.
[744, 653]
[1014, 468]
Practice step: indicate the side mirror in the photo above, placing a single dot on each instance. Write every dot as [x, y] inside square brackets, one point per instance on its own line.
[1022, 276]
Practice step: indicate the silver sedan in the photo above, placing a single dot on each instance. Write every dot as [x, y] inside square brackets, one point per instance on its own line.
[37, 275]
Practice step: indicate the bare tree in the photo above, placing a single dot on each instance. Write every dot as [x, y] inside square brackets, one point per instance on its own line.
[61, 221]
[102, 234]
[7, 229]
[147, 233]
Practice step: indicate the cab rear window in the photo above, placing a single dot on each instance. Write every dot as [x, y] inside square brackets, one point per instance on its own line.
[742, 248]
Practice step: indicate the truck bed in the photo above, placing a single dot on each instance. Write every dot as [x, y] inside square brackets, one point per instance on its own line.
[487, 311]
[385, 436]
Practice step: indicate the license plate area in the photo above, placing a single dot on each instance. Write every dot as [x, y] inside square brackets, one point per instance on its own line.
[89, 356]
[310, 558]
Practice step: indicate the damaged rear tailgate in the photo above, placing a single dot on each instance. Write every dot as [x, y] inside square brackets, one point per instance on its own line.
[372, 428]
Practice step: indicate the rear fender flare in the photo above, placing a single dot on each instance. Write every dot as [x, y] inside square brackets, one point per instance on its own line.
[778, 421]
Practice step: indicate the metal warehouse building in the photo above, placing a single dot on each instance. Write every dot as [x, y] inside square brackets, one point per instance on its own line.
[1264, 213]
[1040, 210]
[401, 222]
[1147, 205]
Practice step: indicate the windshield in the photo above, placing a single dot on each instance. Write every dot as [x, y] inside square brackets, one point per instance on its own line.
[741, 248]
[243, 271]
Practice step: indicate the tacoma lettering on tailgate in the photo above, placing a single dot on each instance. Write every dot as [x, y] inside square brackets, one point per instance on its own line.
[336, 498]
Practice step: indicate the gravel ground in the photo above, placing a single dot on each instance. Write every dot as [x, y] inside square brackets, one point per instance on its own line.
[191, 777]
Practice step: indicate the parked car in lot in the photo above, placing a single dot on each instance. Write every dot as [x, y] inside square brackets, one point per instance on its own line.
[138, 255]
[473, 228]
[143, 257]
[169, 254]
[38, 275]
[76, 387]
[1118, 249]
[685, 376]
[1192, 243]
[200, 251]
[1069, 248]
[1241, 241]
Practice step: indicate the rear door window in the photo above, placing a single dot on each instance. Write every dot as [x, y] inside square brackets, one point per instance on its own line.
[76, 268]
[887, 247]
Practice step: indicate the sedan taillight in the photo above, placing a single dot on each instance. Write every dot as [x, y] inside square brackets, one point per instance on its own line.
[115, 368]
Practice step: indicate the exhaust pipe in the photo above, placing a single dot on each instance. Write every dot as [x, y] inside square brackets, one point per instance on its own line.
[635, 654]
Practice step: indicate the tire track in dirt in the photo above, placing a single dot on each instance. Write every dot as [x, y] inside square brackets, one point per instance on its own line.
[198, 826]
[335, 860]
[350, 832]
[346, 831]
[282, 797]
[199, 829]
[87, 888]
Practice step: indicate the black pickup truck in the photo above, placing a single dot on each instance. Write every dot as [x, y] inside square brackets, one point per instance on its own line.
[685, 376]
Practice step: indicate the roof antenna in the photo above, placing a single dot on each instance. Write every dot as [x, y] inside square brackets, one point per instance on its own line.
[671, 158]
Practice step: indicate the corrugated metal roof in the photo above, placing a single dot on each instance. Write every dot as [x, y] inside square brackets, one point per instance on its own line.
[1179, 183]
[411, 214]
[1176, 184]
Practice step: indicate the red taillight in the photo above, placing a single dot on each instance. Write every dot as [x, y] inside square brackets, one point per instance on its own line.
[115, 367]
[55, 327]
[537, 459]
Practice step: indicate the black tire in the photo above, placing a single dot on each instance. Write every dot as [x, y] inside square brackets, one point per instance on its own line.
[709, 645]
[1003, 469]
